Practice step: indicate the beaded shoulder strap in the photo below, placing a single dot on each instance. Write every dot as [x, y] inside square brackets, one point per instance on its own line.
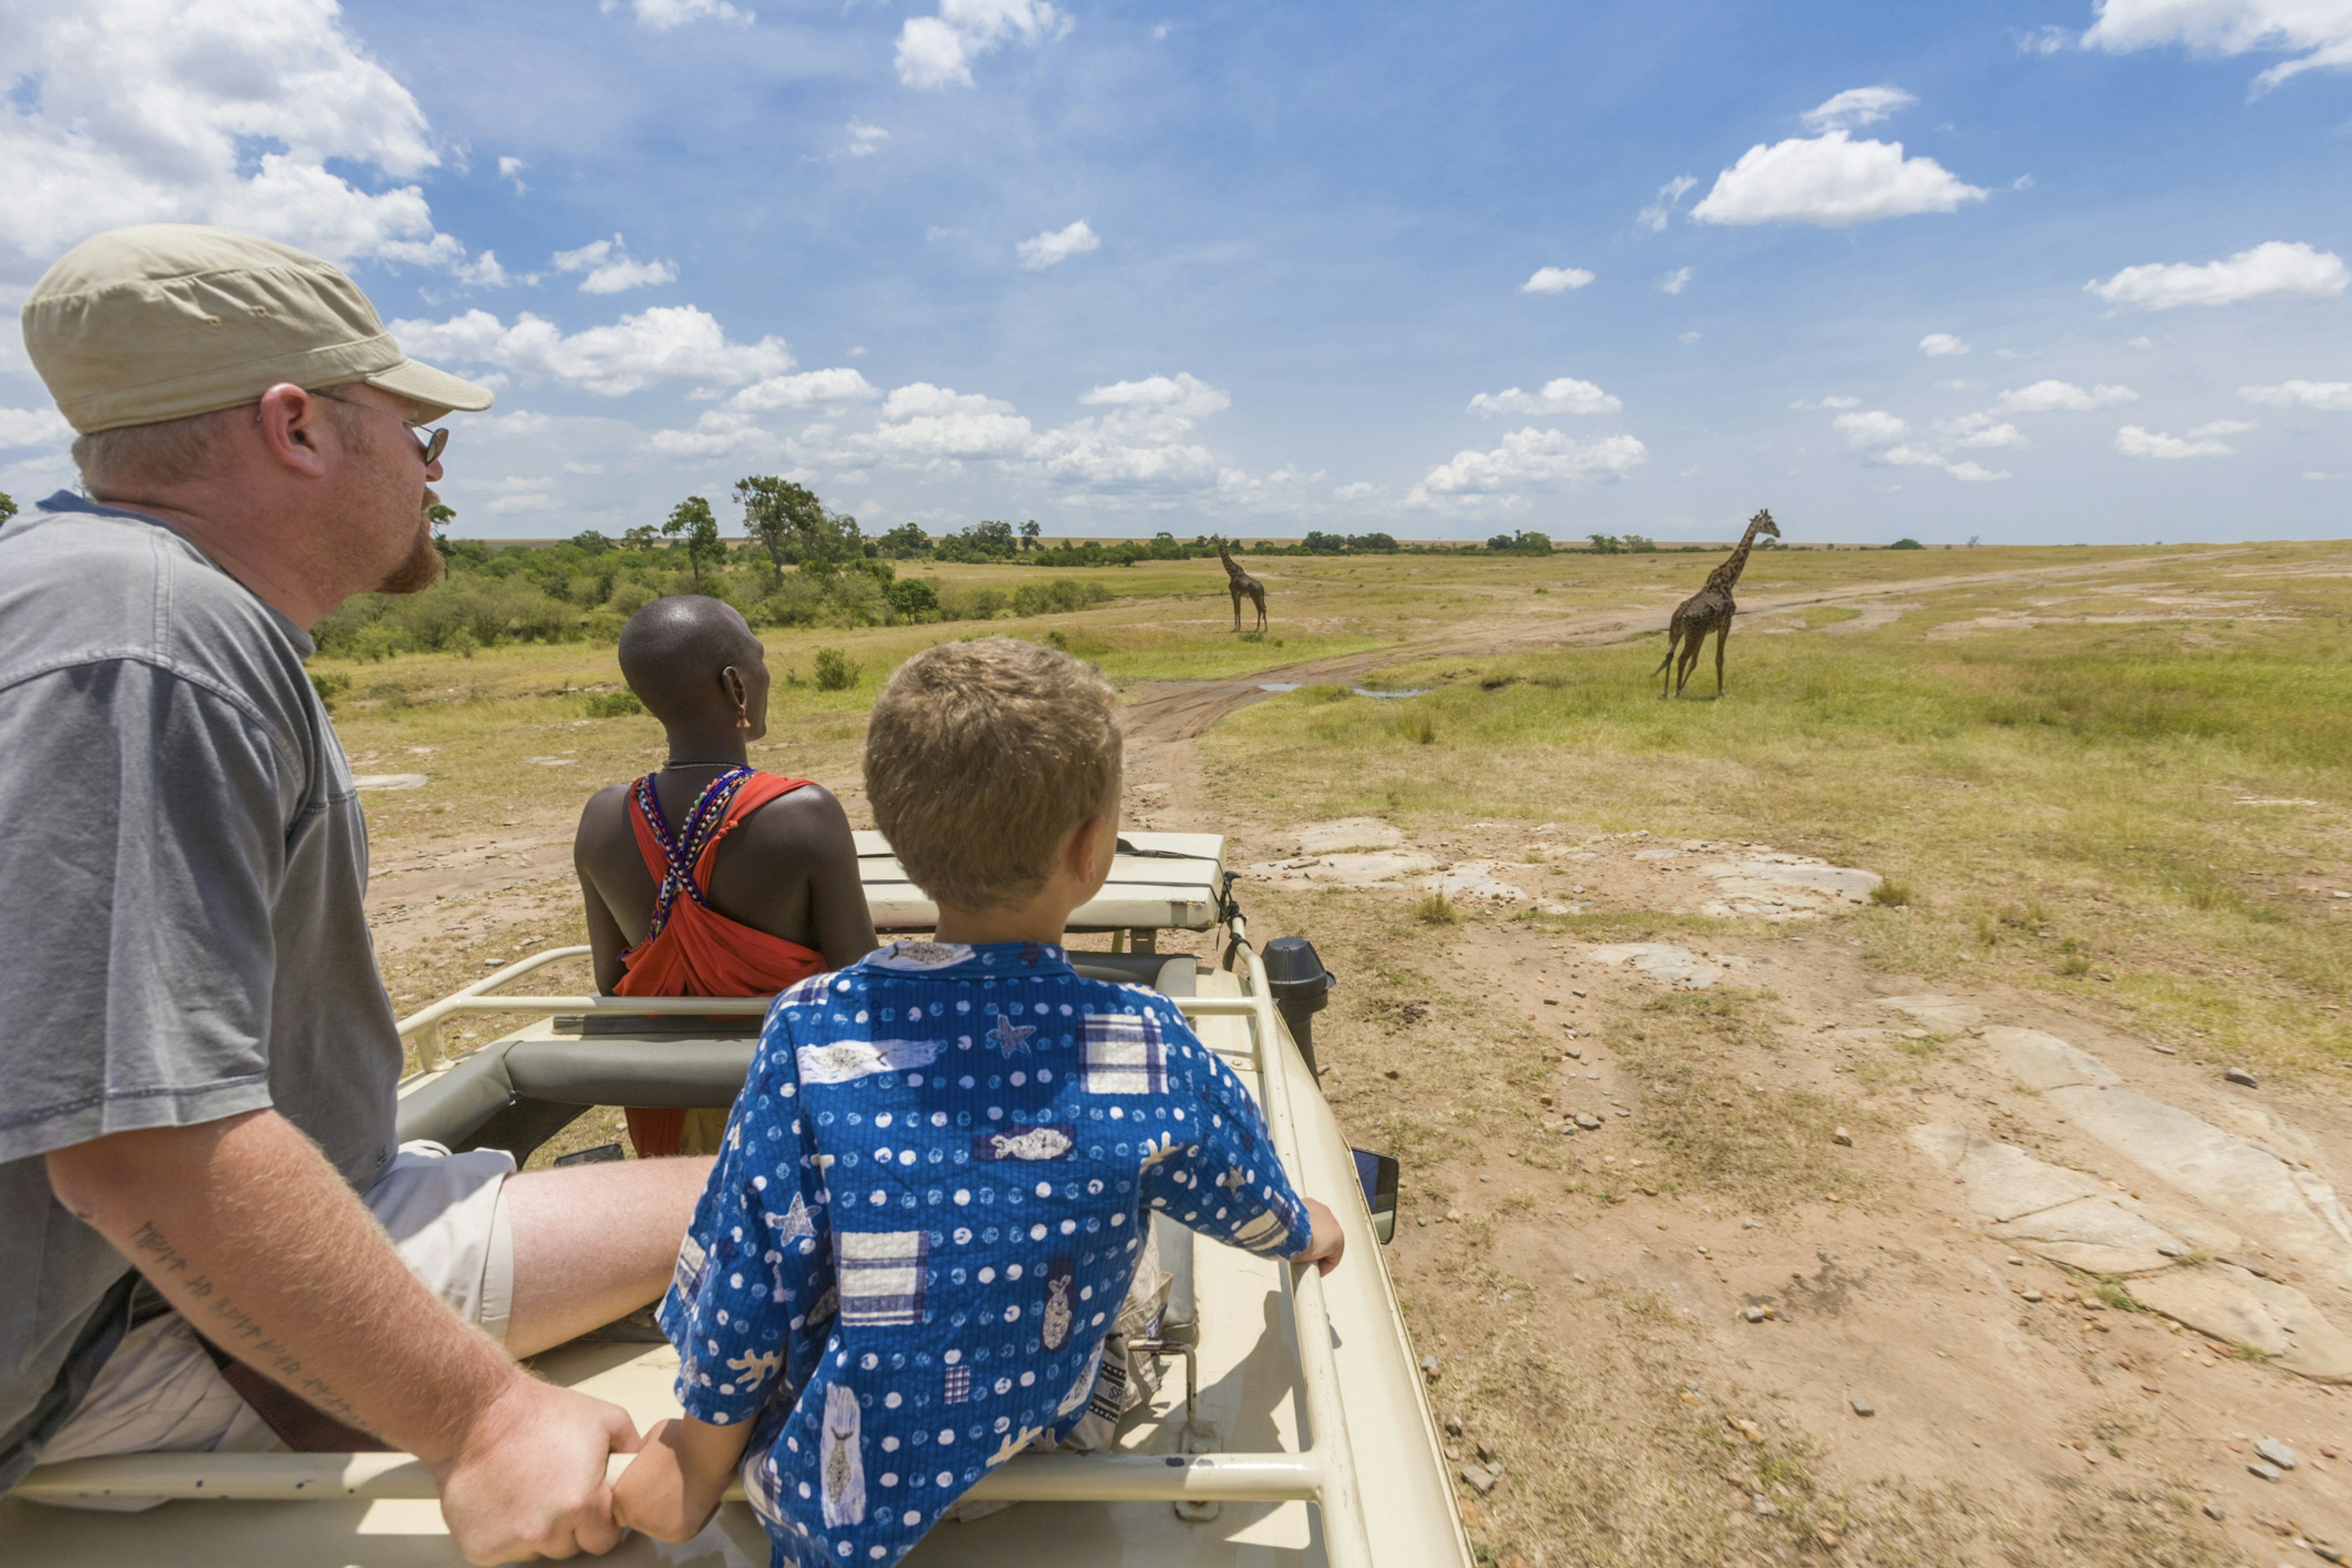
[681, 850]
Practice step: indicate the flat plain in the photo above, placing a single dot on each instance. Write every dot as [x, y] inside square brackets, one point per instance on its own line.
[1810, 959]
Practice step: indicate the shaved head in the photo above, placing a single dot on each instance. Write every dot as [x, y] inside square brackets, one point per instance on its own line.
[675, 653]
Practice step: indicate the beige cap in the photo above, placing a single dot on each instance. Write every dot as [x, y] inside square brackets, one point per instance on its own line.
[165, 320]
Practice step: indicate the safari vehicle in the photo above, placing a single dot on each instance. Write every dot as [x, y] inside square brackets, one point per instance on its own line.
[1297, 1432]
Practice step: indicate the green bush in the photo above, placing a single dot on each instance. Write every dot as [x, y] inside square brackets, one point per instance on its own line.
[835, 670]
[330, 684]
[1907, 544]
[1058, 598]
[971, 604]
[618, 704]
[913, 600]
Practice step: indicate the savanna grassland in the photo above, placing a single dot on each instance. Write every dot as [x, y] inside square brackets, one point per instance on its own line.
[2105, 790]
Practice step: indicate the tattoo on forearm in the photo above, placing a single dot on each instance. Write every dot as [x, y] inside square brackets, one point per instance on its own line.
[229, 1325]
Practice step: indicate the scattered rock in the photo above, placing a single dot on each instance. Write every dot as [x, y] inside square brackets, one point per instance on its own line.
[2015, 1261]
[1753, 1314]
[1430, 1369]
[2276, 1452]
[1349, 833]
[1747, 1429]
[2213, 1509]
[1587, 1121]
[1864, 1408]
[1751, 1225]
[1662, 962]
[1486, 1457]
[1469, 1514]
[1391, 1073]
[1829, 1538]
[1842, 1138]
[1453, 1425]
[2326, 1550]
[2045, 1061]
[2240, 1074]
[390, 781]
[1946, 1013]
[1762, 1505]
[2267, 1473]
[1478, 1477]
[1453, 1214]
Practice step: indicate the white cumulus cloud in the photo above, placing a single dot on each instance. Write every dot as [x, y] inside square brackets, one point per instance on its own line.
[2291, 270]
[1857, 107]
[2317, 32]
[185, 111]
[1657, 213]
[610, 268]
[809, 389]
[1556, 280]
[1675, 282]
[1057, 246]
[32, 427]
[668, 342]
[1530, 459]
[1565, 395]
[1939, 345]
[662, 16]
[1830, 181]
[2134, 442]
[935, 52]
[2050, 396]
[1872, 428]
[2335, 396]
[1980, 432]
[1828, 403]
[865, 139]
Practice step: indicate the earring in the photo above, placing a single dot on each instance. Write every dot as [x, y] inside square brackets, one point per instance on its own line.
[742, 718]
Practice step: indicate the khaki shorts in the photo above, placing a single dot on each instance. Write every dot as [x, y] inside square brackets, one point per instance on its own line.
[160, 1393]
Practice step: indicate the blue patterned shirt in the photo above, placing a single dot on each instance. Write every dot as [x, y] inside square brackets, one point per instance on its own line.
[929, 1204]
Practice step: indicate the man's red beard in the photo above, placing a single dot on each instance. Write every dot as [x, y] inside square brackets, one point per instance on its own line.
[424, 566]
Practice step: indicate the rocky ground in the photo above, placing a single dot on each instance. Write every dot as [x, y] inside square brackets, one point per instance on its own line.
[1737, 1249]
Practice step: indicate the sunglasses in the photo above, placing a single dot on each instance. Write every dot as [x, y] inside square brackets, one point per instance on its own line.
[430, 443]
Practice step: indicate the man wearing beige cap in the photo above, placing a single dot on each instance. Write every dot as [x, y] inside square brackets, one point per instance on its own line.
[197, 1058]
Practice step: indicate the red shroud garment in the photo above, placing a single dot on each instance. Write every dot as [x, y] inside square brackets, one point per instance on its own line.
[690, 949]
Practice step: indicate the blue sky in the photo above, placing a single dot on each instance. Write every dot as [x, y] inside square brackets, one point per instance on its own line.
[2029, 272]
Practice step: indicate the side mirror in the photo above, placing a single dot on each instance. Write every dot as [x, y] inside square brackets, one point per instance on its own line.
[1301, 987]
[1376, 1174]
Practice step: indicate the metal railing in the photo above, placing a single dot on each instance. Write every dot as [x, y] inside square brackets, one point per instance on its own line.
[1323, 1472]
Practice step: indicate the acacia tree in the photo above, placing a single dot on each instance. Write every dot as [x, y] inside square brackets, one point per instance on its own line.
[1029, 535]
[692, 517]
[792, 525]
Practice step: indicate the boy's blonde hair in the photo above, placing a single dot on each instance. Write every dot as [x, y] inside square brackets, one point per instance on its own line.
[979, 756]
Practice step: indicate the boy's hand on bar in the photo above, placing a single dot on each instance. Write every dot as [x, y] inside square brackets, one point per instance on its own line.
[1328, 1243]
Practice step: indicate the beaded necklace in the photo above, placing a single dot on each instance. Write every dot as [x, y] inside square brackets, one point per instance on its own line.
[681, 851]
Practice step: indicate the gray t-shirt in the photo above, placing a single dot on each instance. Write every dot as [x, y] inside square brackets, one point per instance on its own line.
[183, 862]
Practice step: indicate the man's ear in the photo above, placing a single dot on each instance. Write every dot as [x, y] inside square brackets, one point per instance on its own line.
[288, 420]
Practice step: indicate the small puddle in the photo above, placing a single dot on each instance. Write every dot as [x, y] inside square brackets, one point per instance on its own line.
[1359, 690]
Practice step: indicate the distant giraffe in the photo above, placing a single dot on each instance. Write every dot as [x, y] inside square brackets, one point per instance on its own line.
[1710, 610]
[1239, 583]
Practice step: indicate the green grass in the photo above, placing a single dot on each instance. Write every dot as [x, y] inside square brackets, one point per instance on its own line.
[2090, 773]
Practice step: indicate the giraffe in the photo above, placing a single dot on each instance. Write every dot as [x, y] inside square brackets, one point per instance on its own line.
[1710, 610]
[1239, 583]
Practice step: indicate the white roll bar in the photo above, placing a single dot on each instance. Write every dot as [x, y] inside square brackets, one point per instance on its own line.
[1324, 1472]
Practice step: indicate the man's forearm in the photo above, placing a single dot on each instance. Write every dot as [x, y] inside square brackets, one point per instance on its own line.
[246, 1229]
